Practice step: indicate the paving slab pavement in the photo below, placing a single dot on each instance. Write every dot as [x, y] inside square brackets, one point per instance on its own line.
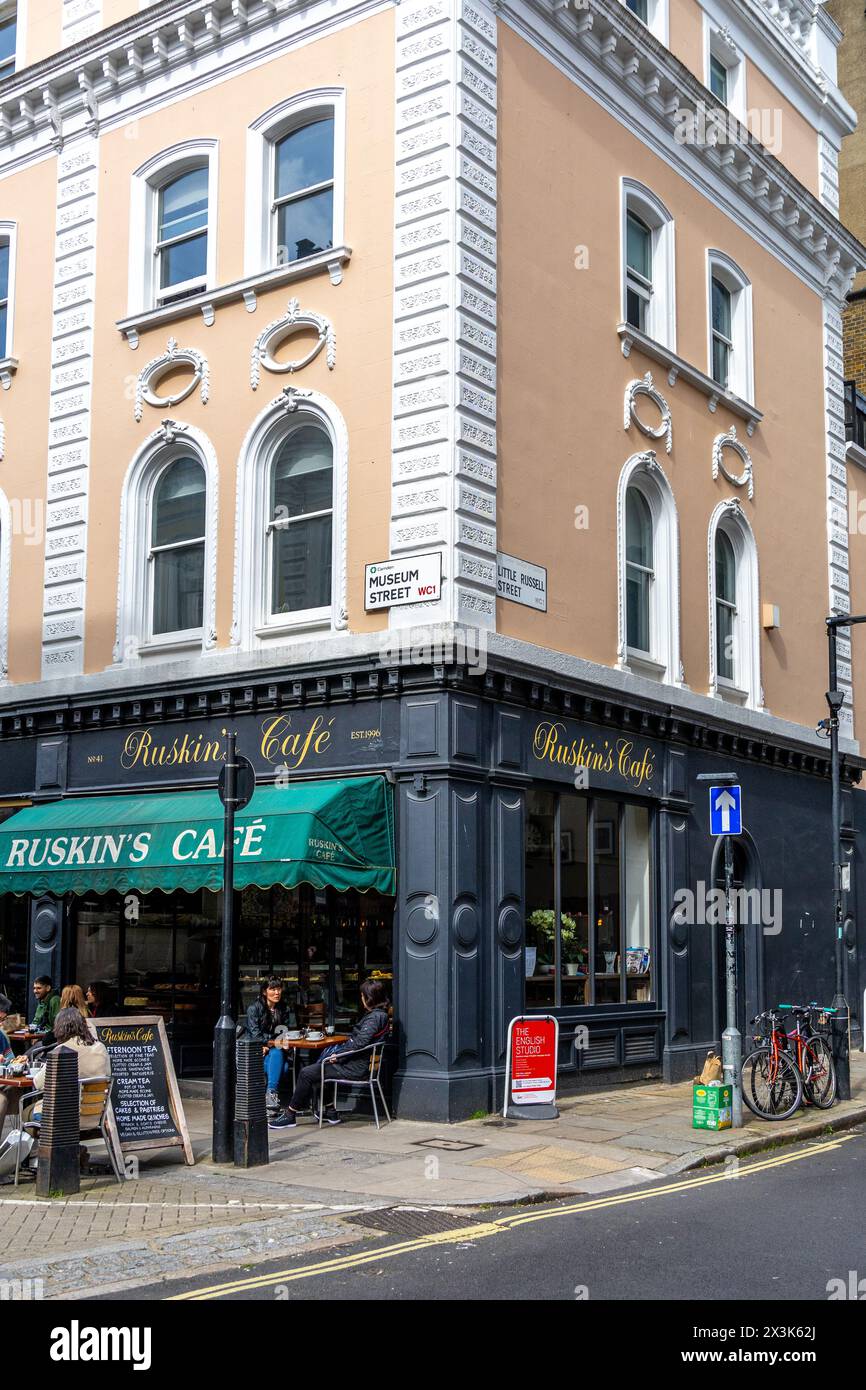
[173, 1218]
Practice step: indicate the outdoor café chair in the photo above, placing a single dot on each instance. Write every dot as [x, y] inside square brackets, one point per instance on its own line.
[371, 1082]
[94, 1096]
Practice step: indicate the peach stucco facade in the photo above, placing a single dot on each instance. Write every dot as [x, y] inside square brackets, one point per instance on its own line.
[563, 376]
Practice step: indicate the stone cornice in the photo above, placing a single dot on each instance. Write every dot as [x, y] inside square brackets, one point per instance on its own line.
[63, 94]
[629, 65]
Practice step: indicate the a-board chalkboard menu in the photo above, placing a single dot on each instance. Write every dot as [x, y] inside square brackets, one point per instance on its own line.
[148, 1112]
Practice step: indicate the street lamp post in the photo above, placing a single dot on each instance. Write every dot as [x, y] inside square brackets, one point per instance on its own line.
[224, 1034]
[835, 701]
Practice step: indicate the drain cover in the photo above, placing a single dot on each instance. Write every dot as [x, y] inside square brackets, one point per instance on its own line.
[454, 1145]
[395, 1221]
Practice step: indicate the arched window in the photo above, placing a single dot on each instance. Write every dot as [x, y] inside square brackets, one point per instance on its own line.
[181, 235]
[172, 237]
[304, 191]
[648, 278]
[729, 313]
[295, 180]
[735, 652]
[726, 607]
[166, 600]
[177, 549]
[301, 523]
[639, 570]
[290, 561]
[648, 559]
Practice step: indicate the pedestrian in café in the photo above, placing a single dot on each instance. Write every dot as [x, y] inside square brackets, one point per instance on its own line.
[47, 1003]
[373, 1026]
[267, 1019]
[72, 997]
[96, 998]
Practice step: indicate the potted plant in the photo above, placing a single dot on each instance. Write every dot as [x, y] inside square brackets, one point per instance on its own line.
[543, 921]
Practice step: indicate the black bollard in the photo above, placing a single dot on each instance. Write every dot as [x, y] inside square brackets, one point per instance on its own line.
[251, 1117]
[58, 1170]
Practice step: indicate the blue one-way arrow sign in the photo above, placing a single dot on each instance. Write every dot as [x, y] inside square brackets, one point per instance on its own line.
[726, 811]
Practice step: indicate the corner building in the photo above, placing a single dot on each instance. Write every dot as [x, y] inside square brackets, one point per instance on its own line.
[550, 293]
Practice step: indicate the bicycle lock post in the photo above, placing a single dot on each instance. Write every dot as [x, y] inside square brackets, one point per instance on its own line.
[732, 1042]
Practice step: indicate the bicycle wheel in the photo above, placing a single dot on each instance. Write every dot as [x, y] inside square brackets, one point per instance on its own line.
[819, 1074]
[772, 1087]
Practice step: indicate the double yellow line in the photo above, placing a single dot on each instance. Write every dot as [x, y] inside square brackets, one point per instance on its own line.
[483, 1229]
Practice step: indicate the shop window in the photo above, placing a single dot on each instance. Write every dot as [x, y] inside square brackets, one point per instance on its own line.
[588, 865]
[648, 558]
[166, 599]
[730, 327]
[735, 630]
[295, 158]
[14, 924]
[648, 290]
[172, 249]
[290, 575]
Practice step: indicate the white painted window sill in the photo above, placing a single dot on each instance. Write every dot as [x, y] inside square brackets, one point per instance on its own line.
[207, 302]
[176, 644]
[643, 665]
[726, 690]
[279, 632]
[8, 368]
[679, 367]
[853, 453]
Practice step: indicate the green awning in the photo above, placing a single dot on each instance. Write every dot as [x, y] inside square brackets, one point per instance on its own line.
[334, 833]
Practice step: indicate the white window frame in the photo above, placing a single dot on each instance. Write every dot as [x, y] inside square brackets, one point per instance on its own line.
[254, 625]
[19, 9]
[742, 376]
[5, 570]
[720, 45]
[9, 232]
[663, 661]
[147, 180]
[262, 138]
[135, 640]
[656, 18]
[662, 312]
[745, 687]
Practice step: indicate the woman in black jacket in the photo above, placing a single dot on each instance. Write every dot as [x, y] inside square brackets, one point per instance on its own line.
[372, 1027]
[267, 1019]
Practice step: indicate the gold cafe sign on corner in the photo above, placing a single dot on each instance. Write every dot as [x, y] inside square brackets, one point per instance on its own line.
[613, 761]
[280, 742]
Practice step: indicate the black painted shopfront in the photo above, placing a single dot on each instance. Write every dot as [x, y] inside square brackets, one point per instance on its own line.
[543, 832]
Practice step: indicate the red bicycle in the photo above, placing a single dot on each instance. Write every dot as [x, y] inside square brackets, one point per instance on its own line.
[811, 1052]
[772, 1084]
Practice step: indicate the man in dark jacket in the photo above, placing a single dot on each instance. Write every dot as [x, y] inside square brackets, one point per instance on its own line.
[372, 1027]
[267, 1020]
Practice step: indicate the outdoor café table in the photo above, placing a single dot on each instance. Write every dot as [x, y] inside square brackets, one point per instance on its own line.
[311, 1045]
[16, 1083]
[27, 1037]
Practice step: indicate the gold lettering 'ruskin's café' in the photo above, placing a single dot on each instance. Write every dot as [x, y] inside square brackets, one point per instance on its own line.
[280, 744]
[633, 762]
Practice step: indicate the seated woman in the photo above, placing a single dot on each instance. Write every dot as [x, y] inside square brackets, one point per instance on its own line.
[96, 998]
[267, 1020]
[372, 1027]
[72, 1031]
[72, 997]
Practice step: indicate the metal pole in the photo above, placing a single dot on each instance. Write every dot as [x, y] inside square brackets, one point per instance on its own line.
[732, 1043]
[840, 1004]
[224, 1033]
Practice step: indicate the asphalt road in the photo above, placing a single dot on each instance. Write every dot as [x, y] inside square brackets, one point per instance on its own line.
[778, 1226]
